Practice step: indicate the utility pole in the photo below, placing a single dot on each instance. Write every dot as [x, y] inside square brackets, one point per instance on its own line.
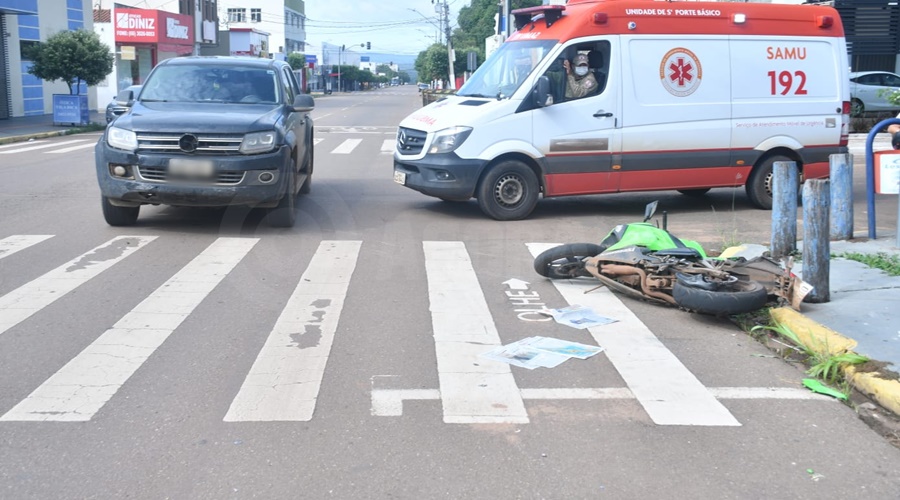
[443, 10]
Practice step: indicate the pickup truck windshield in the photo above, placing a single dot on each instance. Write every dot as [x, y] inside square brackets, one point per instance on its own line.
[502, 74]
[183, 83]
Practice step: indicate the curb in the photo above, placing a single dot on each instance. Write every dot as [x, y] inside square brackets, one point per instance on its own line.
[826, 341]
[37, 135]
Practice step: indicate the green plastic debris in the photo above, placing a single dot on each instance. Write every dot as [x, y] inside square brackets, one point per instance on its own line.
[816, 386]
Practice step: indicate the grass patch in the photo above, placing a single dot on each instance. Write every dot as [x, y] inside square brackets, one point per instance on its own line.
[887, 263]
[822, 365]
[90, 127]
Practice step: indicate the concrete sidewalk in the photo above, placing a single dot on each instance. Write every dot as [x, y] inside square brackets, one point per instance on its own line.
[32, 127]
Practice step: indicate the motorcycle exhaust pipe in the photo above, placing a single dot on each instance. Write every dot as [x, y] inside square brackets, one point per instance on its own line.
[622, 270]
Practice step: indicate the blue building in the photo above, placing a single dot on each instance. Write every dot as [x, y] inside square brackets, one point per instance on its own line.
[24, 23]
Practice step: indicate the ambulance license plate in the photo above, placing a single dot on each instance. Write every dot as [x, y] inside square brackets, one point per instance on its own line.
[400, 177]
[190, 168]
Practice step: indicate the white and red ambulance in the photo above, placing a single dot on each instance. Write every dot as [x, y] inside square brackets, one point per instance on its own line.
[690, 96]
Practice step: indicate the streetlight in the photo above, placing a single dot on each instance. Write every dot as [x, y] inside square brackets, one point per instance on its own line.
[341, 53]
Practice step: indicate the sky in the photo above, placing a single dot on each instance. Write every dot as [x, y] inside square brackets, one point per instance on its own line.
[392, 26]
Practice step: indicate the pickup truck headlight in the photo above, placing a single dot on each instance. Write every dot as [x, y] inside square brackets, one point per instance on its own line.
[258, 142]
[447, 140]
[120, 138]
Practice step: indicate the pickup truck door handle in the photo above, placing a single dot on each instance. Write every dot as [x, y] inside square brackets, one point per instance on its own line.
[601, 114]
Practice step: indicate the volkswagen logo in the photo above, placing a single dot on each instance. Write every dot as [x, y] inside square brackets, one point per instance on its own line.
[188, 143]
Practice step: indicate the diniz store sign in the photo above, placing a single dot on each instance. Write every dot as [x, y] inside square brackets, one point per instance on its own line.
[153, 26]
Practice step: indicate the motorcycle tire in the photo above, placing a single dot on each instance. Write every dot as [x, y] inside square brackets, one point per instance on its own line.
[742, 297]
[565, 261]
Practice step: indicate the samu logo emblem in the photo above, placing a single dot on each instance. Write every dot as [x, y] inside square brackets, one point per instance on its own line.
[680, 72]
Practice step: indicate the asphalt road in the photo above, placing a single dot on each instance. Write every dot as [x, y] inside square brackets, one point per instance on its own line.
[201, 354]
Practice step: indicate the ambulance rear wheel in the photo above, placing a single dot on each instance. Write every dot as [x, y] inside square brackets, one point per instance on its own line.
[759, 185]
[508, 191]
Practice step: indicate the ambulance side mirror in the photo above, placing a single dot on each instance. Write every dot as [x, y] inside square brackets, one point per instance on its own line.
[541, 92]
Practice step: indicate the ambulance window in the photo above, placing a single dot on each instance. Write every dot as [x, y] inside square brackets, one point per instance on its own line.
[567, 85]
[507, 68]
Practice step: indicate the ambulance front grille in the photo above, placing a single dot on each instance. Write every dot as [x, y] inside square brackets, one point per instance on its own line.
[410, 141]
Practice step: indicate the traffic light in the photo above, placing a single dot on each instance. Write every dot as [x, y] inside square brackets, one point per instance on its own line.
[368, 45]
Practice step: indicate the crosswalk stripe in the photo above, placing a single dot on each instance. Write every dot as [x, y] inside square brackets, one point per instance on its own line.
[388, 145]
[668, 391]
[317, 141]
[19, 304]
[18, 242]
[346, 147]
[79, 389]
[42, 146]
[284, 381]
[473, 389]
[72, 148]
[19, 144]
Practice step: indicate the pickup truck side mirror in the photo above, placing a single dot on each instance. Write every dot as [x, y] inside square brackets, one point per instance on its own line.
[125, 98]
[541, 92]
[304, 103]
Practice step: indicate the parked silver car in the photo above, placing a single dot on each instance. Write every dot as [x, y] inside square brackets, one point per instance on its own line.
[114, 109]
[869, 91]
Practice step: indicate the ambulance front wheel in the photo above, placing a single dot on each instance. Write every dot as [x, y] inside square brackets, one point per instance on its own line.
[759, 185]
[508, 191]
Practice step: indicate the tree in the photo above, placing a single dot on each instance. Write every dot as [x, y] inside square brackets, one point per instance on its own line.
[476, 21]
[297, 60]
[73, 57]
[433, 64]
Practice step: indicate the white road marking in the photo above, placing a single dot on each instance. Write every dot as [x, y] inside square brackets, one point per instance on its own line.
[42, 146]
[19, 304]
[668, 391]
[346, 147]
[18, 242]
[317, 141]
[79, 389]
[473, 389]
[285, 379]
[389, 402]
[71, 148]
[388, 145]
[19, 144]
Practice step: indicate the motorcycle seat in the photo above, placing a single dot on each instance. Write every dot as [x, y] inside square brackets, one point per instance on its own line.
[686, 252]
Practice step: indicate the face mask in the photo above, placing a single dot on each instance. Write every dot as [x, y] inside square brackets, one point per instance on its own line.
[581, 70]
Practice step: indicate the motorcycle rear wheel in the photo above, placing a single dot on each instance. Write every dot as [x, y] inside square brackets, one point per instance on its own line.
[565, 261]
[742, 297]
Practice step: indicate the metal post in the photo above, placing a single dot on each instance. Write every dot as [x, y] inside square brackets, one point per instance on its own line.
[785, 184]
[816, 245]
[841, 176]
[340, 53]
[870, 171]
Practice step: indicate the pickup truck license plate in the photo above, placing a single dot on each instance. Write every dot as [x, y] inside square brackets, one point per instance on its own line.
[191, 168]
[400, 177]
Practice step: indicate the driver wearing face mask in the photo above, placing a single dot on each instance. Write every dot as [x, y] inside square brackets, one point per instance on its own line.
[582, 83]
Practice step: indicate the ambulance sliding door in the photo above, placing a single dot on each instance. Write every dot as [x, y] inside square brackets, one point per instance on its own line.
[676, 112]
[579, 136]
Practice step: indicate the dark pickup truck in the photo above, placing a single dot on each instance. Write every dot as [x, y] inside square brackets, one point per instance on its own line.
[208, 132]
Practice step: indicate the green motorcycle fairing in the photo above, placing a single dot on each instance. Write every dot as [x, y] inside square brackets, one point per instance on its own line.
[646, 235]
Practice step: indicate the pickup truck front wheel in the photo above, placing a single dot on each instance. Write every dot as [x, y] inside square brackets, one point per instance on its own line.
[283, 215]
[118, 216]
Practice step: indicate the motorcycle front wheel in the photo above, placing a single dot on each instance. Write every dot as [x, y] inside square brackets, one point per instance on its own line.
[565, 261]
[740, 297]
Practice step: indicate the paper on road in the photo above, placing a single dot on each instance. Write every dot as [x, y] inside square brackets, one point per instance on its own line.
[535, 352]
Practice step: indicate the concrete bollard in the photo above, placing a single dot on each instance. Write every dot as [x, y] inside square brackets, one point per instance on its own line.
[841, 177]
[785, 184]
[816, 245]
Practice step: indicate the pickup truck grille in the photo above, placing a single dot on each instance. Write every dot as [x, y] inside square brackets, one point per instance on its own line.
[410, 141]
[160, 174]
[211, 144]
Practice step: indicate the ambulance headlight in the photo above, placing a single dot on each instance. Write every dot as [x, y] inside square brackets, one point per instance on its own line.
[447, 140]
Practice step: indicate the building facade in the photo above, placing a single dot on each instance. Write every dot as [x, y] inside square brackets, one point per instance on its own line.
[24, 23]
[283, 20]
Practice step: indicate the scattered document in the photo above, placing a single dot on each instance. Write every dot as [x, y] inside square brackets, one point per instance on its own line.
[577, 317]
[540, 352]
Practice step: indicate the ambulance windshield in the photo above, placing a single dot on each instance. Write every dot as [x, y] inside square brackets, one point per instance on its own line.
[502, 74]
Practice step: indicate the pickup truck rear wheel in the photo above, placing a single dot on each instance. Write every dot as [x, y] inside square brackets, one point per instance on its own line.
[508, 191]
[308, 169]
[283, 215]
[118, 216]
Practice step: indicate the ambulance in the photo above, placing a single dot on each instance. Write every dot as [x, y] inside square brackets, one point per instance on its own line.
[689, 96]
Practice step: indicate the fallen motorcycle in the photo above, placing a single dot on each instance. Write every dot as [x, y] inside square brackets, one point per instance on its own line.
[647, 262]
